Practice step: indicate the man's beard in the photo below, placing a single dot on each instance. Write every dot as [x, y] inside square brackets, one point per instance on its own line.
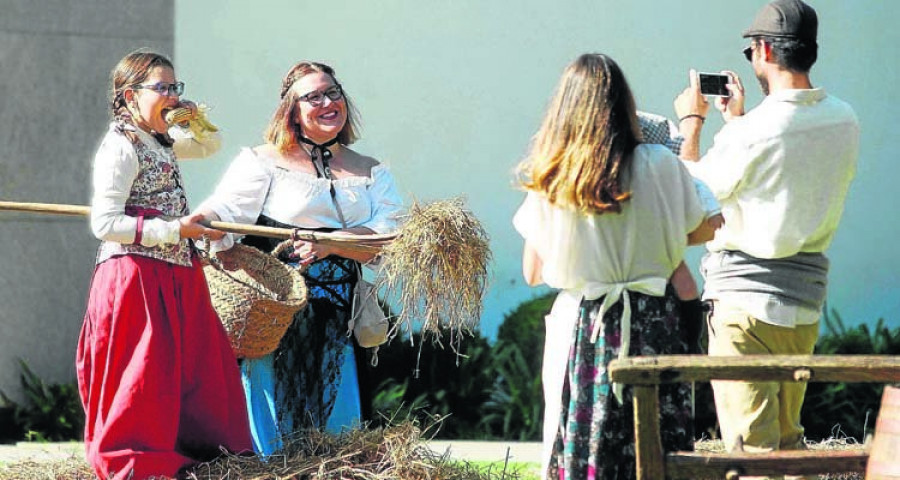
[763, 83]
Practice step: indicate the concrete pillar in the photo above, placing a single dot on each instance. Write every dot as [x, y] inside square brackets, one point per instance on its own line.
[56, 57]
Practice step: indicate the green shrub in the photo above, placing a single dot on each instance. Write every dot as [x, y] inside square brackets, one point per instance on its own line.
[495, 392]
[487, 392]
[847, 409]
[515, 408]
[50, 413]
[524, 327]
[424, 379]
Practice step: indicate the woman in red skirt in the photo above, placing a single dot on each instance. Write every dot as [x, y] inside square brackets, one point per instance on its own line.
[158, 379]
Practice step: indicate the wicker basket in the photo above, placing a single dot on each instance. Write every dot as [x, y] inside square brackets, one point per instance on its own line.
[256, 302]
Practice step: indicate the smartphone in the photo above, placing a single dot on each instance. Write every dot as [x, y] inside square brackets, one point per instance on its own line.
[714, 84]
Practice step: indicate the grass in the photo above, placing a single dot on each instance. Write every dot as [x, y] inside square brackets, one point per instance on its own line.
[517, 470]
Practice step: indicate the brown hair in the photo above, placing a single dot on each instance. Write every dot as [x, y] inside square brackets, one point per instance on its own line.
[284, 131]
[131, 71]
[578, 156]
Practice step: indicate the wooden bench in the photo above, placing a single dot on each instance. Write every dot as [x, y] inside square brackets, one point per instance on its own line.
[645, 374]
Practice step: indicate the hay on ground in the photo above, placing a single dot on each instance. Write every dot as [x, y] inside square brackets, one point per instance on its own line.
[71, 468]
[717, 446]
[396, 452]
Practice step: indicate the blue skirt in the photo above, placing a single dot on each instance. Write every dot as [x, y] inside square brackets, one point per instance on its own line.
[310, 380]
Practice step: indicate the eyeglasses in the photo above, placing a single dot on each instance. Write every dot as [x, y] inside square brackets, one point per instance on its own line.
[164, 89]
[748, 53]
[316, 98]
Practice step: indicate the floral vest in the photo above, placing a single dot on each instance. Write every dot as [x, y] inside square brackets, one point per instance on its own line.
[157, 187]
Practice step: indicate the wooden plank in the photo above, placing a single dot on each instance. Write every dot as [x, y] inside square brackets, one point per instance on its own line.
[695, 465]
[647, 445]
[702, 368]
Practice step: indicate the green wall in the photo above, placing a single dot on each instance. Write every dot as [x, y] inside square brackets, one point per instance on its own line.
[451, 91]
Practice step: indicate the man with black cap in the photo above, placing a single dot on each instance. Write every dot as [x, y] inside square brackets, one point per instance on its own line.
[781, 173]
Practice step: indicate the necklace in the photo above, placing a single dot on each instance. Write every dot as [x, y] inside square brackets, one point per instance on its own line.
[320, 152]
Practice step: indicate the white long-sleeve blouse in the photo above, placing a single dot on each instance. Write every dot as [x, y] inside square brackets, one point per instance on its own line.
[255, 185]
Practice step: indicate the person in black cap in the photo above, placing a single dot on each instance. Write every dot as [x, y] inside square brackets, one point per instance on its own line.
[781, 173]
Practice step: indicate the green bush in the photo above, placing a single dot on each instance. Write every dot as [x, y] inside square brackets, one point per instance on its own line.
[416, 379]
[51, 413]
[486, 392]
[495, 392]
[515, 409]
[847, 409]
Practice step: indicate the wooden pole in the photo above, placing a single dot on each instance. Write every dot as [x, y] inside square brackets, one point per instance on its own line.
[648, 451]
[49, 208]
[368, 243]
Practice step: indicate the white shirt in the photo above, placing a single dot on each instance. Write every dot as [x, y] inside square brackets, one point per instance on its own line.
[115, 170]
[781, 173]
[659, 129]
[645, 241]
[255, 185]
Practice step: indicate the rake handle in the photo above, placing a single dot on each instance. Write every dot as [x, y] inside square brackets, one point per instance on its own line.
[363, 243]
[49, 208]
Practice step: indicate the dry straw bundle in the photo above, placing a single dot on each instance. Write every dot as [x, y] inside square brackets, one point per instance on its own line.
[436, 269]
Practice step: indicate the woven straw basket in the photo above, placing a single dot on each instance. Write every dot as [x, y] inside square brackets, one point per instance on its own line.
[256, 302]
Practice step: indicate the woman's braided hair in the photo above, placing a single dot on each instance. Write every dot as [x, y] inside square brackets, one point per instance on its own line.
[283, 130]
[133, 69]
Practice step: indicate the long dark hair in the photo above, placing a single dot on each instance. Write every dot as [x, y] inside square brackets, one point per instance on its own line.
[584, 145]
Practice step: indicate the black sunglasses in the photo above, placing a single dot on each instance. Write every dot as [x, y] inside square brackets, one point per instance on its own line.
[748, 52]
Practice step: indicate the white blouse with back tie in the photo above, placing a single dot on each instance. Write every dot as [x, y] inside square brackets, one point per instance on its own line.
[591, 256]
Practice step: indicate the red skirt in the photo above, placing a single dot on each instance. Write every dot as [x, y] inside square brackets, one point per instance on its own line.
[158, 380]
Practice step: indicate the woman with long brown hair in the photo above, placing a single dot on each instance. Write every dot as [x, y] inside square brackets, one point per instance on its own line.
[606, 220]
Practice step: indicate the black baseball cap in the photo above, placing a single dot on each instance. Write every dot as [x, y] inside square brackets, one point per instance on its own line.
[785, 19]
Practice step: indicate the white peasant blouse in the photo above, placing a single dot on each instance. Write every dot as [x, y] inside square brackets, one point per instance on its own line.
[255, 185]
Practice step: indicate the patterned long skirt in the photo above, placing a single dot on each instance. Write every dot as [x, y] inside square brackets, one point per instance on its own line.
[311, 380]
[596, 434]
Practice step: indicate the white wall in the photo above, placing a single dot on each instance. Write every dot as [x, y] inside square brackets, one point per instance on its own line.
[451, 91]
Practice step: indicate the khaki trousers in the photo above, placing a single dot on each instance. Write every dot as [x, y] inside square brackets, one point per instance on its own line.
[765, 414]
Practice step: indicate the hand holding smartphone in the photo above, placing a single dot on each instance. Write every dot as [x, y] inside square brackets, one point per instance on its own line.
[714, 84]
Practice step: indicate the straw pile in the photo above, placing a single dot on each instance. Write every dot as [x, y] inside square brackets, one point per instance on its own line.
[392, 453]
[72, 468]
[716, 446]
[396, 453]
[436, 269]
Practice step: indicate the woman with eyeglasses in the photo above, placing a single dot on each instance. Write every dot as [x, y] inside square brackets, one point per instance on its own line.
[606, 220]
[157, 377]
[306, 176]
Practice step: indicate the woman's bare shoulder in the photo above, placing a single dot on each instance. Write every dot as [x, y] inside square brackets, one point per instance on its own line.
[266, 150]
[358, 163]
